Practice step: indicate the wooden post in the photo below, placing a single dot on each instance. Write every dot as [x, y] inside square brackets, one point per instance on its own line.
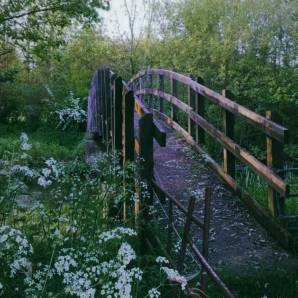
[135, 85]
[99, 100]
[146, 173]
[146, 152]
[150, 86]
[113, 77]
[107, 99]
[174, 92]
[205, 250]
[192, 104]
[117, 127]
[142, 86]
[184, 240]
[275, 161]
[161, 88]
[128, 148]
[228, 130]
[200, 109]
[170, 227]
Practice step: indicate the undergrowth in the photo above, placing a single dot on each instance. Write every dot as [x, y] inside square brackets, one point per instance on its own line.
[61, 242]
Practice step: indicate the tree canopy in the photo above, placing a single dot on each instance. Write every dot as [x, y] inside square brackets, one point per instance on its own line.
[35, 27]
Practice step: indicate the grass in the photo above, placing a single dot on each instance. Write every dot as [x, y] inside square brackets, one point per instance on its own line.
[258, 188]
[278, 283]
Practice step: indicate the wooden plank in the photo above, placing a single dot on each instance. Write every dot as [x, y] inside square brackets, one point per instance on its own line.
[137, 146]
[142, 86]
[160, 195]
[128, 121]
[228, 130]
[161, 88]
[158, 132]
[150, 86]
[174, 92]
[146, 160]
[174, 100]
[99, 105]
[200, 110]
[191, 100]
[275, 160]
[264, 172]
[118, 118]
[257, 211]
[139, 107]
[146, 146]
[206, 232]
[108, 106]
[267, 126]
[128, 146]
[196, 220]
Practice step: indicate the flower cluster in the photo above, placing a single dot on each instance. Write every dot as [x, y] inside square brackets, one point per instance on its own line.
[173, 275]
[14, 252]
[24, 139]
[84, 270]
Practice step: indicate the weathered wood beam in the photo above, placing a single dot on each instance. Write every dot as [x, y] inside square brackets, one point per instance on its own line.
[269, 127]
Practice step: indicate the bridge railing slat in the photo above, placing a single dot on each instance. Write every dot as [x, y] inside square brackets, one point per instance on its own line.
[269, 127]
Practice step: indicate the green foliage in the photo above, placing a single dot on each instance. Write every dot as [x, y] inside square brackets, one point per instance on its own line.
[43, 23]
[262, 283]
[60, 240]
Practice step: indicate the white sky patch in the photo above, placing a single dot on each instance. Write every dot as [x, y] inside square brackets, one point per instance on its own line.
[116, 20]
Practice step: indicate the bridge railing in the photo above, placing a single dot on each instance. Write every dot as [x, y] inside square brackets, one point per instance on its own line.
[276, 134]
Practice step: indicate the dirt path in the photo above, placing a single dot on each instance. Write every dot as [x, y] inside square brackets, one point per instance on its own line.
[236, 239]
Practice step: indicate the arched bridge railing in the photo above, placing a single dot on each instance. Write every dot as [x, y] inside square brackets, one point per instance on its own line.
[194, 108]
[111, 108]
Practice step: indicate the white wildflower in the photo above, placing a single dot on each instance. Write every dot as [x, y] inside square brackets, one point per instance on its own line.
[153, 293]
[173, 275]
[43, 182]
[162, 260]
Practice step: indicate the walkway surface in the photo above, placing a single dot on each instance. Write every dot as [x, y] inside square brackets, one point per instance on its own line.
[237, 241]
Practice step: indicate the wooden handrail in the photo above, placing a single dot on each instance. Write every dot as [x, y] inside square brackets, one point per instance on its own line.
[269, 127]
[263, 171]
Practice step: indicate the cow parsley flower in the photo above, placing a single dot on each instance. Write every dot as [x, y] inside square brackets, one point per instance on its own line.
[24, 145]
[153, 293]
[173, 275]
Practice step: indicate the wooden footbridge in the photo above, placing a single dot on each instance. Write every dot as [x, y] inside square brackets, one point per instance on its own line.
[124, 116]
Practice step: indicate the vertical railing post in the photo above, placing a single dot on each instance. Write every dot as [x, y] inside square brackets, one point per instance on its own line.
[192, 103]
[135, 85]
[200, 109]
[113, 77]
[146, 153]
[205, 250]
[170, 227]
[184, 239]
[142, 86]
[146, 171]
[150, 86]
[228, 130]
[174, 92]
[275, 160]
[161, 87]
[118, 118]
[128, 148]
[99, 99]
[107, 99]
